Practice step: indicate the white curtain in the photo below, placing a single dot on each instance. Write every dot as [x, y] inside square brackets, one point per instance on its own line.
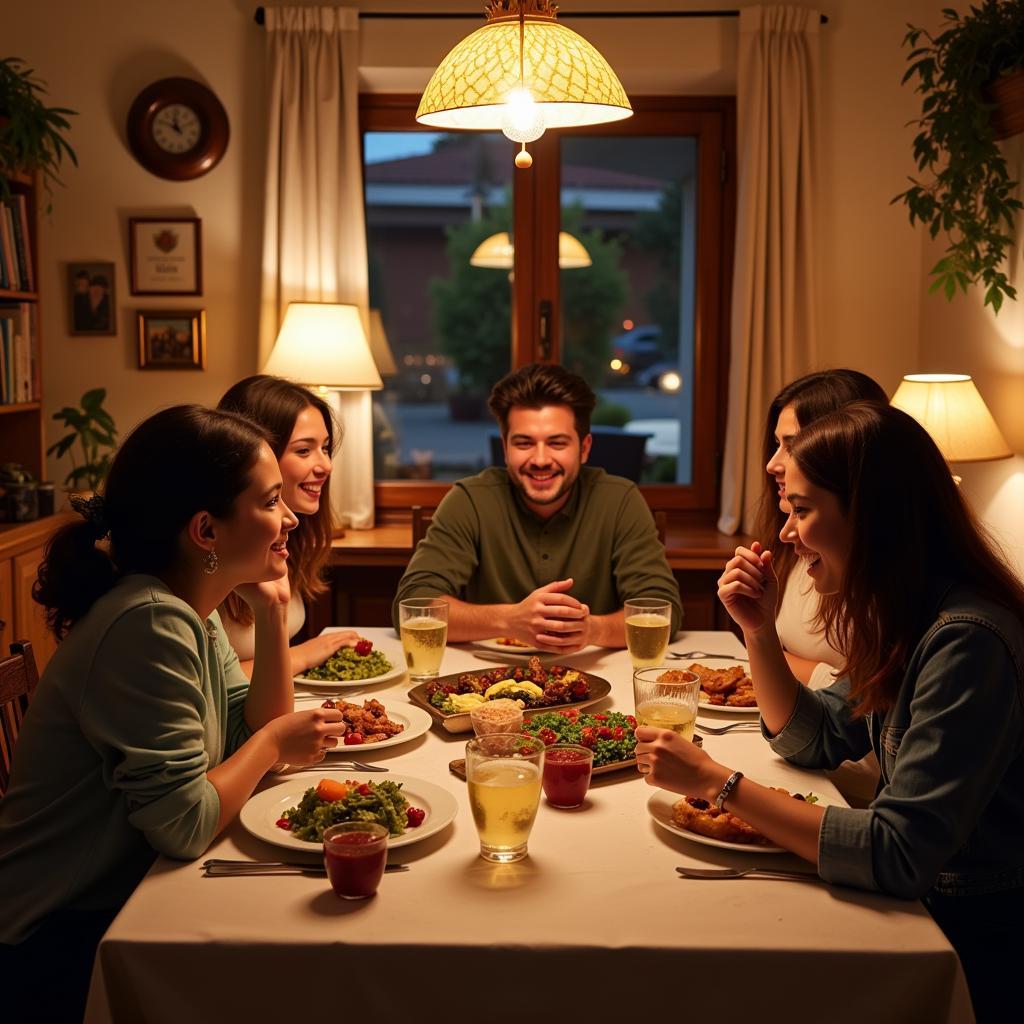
[774, 306]
[314, 236]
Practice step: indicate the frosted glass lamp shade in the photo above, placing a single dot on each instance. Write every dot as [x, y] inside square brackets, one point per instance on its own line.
[324, 344]
[568, 79]
[496, 252]
[950, 408]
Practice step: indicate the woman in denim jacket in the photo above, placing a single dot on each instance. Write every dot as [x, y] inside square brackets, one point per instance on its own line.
[930, 621]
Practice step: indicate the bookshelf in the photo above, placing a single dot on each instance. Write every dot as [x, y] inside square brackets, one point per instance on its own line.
[22, 434]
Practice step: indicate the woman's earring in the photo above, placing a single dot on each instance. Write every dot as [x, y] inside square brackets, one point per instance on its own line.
[210, 566]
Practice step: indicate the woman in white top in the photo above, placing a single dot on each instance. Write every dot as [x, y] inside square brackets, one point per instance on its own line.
[301, 431]
[799, 618]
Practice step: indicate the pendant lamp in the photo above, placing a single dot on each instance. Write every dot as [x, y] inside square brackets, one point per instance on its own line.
[520, 74]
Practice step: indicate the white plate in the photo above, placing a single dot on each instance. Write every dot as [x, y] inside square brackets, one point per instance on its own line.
[659, 807]
[515, 652]
[263, 809]
[415, 720]
[703, 706]
[327, 687]
[721, 663]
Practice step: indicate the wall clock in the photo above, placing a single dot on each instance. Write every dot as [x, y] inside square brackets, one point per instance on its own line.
[177, 128]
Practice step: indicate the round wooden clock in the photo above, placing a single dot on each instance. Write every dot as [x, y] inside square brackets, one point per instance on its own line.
[178, 129]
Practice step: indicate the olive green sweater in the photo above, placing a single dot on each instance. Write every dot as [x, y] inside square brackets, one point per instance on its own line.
[138, 702]
[485, 546]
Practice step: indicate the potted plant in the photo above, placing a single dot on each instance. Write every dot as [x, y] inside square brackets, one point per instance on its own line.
[93, 427]
[968, 192]
[31, 134]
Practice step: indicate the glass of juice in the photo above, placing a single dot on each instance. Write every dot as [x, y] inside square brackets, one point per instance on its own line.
[567, 771]
[423, 623]
[355, 853]
[667, 699]
[648, 623]
[504, 775]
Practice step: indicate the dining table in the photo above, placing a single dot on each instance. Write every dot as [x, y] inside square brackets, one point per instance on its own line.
[595, 924]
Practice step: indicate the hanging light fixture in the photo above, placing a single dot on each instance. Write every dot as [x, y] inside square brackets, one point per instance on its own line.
[496, 252]
[520, 74]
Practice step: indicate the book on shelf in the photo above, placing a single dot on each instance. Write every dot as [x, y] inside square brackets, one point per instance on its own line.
[16, 271]
[19, 354]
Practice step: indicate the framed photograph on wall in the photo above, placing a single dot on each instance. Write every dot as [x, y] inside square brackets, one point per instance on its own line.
[91, 305]
[174, 340]
[165, 255]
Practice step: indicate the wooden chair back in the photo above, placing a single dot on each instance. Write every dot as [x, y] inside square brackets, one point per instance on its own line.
[18, 678]
[420, 522]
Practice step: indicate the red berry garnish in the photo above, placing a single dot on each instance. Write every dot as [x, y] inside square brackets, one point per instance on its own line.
[364, 789]
[364, 647]
[328, 704]
[414, 817]
[284, 823]
[353, 739]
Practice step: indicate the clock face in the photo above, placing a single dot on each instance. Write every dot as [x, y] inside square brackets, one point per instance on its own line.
[176, 128]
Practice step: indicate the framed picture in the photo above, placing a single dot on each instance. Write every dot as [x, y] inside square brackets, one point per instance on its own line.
[172, 341]
[165, 256]
[91, 305]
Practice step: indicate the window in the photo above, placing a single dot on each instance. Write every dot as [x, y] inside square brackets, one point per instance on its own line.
[621, 272]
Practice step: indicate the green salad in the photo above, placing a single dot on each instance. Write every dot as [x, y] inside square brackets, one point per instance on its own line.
[346, 664]
[380, 802]
[609, 734]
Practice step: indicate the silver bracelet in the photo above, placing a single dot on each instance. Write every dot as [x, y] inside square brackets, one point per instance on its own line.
[730, 785]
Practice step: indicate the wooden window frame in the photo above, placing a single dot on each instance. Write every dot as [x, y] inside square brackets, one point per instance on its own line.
[537, 215]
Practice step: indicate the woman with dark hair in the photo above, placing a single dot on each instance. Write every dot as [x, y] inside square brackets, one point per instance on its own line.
[144, 736]
[798, 618]
[301, 432]
[930, 623]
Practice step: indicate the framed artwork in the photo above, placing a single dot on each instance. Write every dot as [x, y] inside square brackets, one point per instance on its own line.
[91, 305]
[165, 256]
[174, 340]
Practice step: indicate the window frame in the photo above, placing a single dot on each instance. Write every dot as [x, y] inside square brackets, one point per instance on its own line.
[537, 217]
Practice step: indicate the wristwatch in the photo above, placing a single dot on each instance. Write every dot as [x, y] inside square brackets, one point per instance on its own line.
[730, 785]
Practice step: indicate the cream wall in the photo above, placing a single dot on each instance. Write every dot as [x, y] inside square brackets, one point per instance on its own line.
[873, 265]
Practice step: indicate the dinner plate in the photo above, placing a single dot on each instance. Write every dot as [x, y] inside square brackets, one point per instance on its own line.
[328, 687]
[461, 722]
[260, 813]
[516, 652]
[415, 720]
[659, 807]
[703, 705]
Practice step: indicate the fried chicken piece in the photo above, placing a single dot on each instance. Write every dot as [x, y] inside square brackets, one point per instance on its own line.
[705, 819]
[742, 697]
[371, 720]
[720, 680]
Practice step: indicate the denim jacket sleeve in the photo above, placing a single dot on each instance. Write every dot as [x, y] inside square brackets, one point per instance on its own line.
[956, 729]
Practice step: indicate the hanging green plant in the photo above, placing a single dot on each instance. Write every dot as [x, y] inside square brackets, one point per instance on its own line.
[31, 134]
[968, 193]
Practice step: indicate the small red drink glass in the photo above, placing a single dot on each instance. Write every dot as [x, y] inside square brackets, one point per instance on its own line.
[355, 853]
[567, 770]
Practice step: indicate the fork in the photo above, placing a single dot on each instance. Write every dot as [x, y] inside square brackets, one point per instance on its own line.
[717, 730]
[705, 654]
[713, 873]
[328, 765]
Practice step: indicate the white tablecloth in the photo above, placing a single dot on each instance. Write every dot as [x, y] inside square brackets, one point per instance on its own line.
[592, 926]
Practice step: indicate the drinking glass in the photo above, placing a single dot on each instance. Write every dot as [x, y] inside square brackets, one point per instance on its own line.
[567, 771]
[501, 715]
[423, 623]
[666, 698]
[648, 623]
[355, 853]
[504, 775]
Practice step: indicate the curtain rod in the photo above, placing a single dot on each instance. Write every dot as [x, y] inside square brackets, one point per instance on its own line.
[259, 16]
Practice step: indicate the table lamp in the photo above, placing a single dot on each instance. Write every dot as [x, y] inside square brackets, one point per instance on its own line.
[950, 408]
[324, 346]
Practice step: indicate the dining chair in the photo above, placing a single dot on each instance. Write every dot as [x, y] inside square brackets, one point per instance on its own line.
[420, 521]
[18, 678]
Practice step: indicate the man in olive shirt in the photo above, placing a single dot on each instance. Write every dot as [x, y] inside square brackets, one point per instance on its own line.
[546, 550]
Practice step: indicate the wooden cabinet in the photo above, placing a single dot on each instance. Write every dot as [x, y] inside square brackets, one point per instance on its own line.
[21, 550]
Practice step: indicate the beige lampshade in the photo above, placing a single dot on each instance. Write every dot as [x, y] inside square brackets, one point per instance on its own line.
[950, 408]
[569, 80]
[497, 252]
[379, 347]
[324, 344]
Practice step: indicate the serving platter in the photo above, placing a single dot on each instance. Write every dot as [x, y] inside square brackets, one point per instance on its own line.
[261, 812]
[460, 722]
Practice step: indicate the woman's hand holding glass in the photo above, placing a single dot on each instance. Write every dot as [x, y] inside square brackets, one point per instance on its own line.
[676, 764]
[749, 588]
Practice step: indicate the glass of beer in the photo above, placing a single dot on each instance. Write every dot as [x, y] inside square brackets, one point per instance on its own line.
[504, 772]
[423, 623]
[666, 698]
[648, 623]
